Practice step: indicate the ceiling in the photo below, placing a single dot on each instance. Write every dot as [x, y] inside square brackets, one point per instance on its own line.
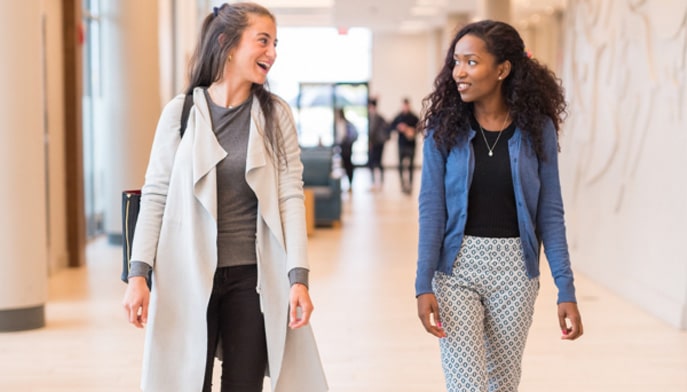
[394, 15]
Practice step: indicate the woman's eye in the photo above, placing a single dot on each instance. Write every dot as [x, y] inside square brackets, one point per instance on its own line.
[471, 63]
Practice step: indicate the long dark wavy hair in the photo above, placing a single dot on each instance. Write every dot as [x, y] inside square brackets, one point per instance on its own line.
[211, 53]
[532, 92]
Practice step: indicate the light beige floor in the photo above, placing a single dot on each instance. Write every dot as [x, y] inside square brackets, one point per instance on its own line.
[365, 322]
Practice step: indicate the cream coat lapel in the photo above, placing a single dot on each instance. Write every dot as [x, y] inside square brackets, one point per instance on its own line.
[207, 154]
[260, 175]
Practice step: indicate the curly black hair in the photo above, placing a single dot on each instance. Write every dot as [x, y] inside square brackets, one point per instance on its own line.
[532, 92]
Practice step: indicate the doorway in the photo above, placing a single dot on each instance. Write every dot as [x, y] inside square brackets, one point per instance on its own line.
[316, 104]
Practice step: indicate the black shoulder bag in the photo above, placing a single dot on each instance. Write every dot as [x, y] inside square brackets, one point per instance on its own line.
[131, 202]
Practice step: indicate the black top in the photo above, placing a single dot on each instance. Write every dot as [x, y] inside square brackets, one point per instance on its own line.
[410, 119]
[491, 199]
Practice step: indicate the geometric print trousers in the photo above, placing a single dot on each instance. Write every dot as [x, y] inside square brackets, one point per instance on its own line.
[486, 307]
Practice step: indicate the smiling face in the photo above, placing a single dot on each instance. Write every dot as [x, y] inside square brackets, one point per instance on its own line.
[256, 52]
[475, 72]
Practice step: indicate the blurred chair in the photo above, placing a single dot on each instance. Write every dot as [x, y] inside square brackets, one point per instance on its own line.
[319, 177]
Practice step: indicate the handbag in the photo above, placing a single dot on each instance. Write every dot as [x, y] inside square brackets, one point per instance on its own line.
[131, 204]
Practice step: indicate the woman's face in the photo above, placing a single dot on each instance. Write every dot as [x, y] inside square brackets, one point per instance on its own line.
[256, 52]
[475, 71]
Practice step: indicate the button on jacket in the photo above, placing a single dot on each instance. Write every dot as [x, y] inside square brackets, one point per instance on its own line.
[446, 178]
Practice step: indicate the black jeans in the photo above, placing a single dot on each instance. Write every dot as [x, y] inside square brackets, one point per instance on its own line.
[406, 158]
[375, 161]
[346, 160]
[234, 316]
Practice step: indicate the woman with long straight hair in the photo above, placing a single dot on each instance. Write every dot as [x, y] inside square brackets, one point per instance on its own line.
[222, 226]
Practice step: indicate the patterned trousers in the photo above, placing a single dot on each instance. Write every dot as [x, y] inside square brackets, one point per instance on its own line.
[486, 309]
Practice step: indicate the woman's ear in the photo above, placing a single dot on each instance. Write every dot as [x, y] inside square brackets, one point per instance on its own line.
[504, 69]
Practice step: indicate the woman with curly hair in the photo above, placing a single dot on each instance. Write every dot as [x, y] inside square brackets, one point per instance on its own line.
[490, 197]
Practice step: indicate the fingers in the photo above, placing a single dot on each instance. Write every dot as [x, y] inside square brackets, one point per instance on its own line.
[143, 317]
[428, 312]
[303, 320]
[563, 325]
[301, 306]
[574, 331]
[569, 314]
[133, 312]
[136, 300]
[293, 311]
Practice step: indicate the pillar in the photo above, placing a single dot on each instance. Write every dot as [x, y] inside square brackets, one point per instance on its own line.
[494, 9]
[23, 236]
[131, 98]
[454, 22]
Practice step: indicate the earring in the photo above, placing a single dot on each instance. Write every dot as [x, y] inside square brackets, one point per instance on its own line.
[229, 59]
[500, 78]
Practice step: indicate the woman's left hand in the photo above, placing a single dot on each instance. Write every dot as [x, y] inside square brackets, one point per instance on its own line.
[568, 311]
[301, 306]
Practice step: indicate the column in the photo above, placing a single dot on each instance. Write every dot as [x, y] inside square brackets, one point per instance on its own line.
[23, 237]
[494, 9]
[131, 98]
[454, 23]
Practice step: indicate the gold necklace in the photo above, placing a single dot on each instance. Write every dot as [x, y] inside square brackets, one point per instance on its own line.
[503, 127]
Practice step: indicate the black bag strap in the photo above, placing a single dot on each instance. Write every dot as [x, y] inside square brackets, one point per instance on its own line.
[188, 102]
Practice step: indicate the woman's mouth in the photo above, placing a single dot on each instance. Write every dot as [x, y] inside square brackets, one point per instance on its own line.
[264, 65]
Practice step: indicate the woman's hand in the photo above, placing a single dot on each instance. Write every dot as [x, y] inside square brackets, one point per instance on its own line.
[428, 311]
[568, 311]
[301, 306]
[136, 299]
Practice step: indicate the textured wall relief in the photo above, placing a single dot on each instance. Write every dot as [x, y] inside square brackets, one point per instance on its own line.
[626, 77]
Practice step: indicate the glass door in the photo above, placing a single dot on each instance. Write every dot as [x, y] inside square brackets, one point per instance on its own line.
[316, 104]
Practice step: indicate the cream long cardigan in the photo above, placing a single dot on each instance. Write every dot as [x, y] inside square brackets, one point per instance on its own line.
[176, 233]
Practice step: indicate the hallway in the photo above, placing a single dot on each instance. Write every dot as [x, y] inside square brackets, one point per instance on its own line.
[365, 321]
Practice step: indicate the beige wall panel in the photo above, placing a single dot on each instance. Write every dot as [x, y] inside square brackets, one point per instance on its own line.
[623, 158]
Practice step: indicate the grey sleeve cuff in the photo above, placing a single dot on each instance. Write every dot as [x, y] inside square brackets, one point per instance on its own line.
[139, 268]
[298, 275]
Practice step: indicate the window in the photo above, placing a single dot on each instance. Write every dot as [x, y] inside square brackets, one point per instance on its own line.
[92, 92]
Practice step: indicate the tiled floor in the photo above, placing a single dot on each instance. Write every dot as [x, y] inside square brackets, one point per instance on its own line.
[365, 321]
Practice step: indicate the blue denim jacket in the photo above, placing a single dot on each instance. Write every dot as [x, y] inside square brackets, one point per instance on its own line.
[446, 179]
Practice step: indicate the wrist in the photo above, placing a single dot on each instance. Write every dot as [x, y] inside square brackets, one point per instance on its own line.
[137, 279]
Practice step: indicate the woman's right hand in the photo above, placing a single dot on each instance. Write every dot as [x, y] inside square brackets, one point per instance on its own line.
[136, 299]
[428, 311]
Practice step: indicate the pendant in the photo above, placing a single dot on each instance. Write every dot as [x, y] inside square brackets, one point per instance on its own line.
[491, 153]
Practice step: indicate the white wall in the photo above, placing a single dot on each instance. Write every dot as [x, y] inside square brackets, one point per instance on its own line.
[403, 65]
[543, 39]
[623, 149]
